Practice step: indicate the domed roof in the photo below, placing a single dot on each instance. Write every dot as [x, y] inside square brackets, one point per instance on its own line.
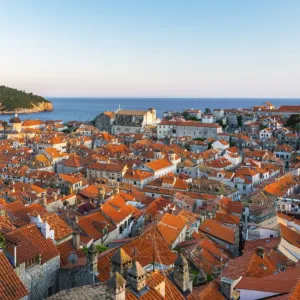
[171, 151]
[15, 119]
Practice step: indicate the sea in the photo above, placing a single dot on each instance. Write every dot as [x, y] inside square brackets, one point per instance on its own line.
[86, 109]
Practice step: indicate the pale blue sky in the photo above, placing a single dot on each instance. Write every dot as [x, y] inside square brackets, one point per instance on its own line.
[151, 48]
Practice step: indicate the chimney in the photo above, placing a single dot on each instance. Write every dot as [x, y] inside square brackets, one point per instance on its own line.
[55, 196]
[15, 256]
[76, 240]
[260, 251]
[116, 189]
[2, 211]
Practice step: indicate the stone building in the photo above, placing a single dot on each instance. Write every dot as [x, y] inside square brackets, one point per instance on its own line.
[135, 283]
[16, 123]
[181, 275]
[133, 121]
[35, 259]
[193, 129]
[104, 121]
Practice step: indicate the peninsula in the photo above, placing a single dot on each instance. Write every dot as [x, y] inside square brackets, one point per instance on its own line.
[16, 101]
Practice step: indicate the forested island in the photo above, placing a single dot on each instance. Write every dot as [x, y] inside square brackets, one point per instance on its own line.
[17, 101]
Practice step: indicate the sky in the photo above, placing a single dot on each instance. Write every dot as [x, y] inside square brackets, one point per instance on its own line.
[151, 48]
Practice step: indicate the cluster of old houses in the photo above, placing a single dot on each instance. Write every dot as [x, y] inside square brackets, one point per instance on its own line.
[137, 207]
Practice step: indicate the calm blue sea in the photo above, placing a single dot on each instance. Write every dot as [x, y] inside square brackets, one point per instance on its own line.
[86, 109]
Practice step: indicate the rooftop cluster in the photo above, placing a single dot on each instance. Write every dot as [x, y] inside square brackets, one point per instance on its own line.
[191, 206]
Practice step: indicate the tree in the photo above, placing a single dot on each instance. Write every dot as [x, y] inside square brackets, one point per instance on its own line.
[93, 122]
[99, 248]
[240, 120]
[297, 128]
[11, 99]
[207, 111]
[2, 241]
[221, 123]
[261, 127]
[5, 125]
[293, 120]
[186, 115]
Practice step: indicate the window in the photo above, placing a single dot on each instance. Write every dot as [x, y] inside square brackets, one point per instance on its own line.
[30, 262]
[51, 290]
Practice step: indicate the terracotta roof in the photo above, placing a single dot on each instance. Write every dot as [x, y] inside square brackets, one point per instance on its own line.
[93, 225]
[6, 224]
[190, 124]
[107, 167]
[137, 175]
[171, 291]
[65, 249]
[219, 163]
[75, 161]
[158, 164]
[280, 187]
[30, 242]
[281, 283]
[33, 209]
[292, 236]
[210, 292]
[260, 266]
[132, 112]
[60, 227]
[170, 227]
[216, 229]
[145, 251]
[70, 178]
[11, 286]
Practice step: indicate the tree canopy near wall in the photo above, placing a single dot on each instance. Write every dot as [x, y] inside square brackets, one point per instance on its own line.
[293, 121]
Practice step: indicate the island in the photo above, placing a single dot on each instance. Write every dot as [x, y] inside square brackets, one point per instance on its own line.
[15, 101]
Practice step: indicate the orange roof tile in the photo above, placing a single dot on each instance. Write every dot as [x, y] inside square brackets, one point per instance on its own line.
[216, 229]
[170, 227]
[116, 209]
[30, 242]
[65, 249]
[93, 225]
[158, 164]
[147, 245]
[11, 286]
[60, 227]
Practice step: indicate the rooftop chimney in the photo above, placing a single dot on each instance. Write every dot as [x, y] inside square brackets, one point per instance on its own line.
[260, 251]
[76, 240]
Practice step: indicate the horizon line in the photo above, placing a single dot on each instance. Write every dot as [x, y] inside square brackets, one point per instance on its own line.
[135, 97]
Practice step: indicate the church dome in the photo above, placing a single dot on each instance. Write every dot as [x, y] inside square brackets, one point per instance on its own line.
[15, 119]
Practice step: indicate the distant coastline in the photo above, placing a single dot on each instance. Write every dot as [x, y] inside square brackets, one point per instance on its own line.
[86, 109]
[26, 111]
[14, 101]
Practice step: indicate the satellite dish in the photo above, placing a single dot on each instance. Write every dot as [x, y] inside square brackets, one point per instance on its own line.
[73, 258]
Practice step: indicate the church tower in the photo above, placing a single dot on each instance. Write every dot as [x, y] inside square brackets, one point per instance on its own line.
[181, 274]
[121, 262]
[137, 277]
[116, 287]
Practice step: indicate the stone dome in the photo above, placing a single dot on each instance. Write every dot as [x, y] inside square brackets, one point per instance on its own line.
[15, 119]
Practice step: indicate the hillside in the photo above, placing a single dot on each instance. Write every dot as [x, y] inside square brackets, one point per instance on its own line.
[13, 100]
